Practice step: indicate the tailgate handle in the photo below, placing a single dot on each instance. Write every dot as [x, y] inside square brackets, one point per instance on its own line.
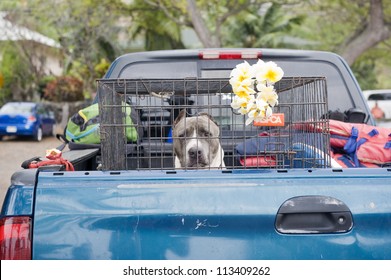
[313, 214]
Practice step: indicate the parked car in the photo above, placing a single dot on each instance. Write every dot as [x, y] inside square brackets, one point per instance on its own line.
[381, 99]
[26, 119]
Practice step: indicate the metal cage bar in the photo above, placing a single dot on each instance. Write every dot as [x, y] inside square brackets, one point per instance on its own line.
[301, 142]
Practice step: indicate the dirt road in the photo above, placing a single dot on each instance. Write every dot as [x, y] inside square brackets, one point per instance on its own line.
[14, 151]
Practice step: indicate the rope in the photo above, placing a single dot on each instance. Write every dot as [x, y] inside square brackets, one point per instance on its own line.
[54, 157]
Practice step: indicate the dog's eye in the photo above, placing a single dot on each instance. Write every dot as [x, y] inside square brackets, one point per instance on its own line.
[207, 134]
[182, 135]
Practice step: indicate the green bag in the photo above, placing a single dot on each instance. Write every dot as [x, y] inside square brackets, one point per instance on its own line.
[84, 126]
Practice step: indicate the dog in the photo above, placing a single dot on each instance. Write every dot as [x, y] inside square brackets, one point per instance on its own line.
[196, 142]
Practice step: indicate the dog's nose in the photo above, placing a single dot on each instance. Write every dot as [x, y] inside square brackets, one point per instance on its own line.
[194, 152]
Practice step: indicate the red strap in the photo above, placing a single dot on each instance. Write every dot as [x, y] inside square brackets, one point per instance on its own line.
[58, 161]
[54, 157]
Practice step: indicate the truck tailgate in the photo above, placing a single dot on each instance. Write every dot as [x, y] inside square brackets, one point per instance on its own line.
[210, 214]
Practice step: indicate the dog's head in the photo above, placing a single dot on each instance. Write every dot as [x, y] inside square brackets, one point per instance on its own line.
[196, 141]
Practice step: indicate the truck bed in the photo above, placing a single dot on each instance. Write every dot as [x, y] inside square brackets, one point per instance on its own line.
[213, 215]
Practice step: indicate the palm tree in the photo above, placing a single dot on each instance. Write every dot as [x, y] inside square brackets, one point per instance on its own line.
[153, 27]
[266, 29]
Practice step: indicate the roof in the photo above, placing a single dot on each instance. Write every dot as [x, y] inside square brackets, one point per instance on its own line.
[11, 32]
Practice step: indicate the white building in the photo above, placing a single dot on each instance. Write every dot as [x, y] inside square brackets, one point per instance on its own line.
[45, 50]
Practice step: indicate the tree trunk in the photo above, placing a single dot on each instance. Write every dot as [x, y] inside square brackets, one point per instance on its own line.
[202, 31]
[64, 116]
[375, 32]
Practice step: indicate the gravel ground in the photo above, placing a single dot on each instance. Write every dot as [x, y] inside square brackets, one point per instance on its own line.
[13, 151]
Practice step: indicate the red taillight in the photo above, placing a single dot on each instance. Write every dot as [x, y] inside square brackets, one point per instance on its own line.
[15, 238]
[31, 119]
[215, 54]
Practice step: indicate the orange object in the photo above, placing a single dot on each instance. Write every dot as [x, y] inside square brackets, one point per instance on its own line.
[274, 120]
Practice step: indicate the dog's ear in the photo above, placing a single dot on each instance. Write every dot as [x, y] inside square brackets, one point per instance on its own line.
[182, 114]
[209, 116]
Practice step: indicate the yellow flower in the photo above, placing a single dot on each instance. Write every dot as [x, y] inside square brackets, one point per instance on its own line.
[244, 110]
[268, 94]
[243, 104]
[241, 80]
[269, 73]
[239, 102]
[259, 79]
[242, 71]
[244, 91]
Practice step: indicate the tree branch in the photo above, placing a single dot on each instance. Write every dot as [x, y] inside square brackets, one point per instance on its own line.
[375, 32]
[166, 11]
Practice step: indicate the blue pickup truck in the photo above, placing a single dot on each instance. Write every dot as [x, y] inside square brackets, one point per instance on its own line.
[280, 194]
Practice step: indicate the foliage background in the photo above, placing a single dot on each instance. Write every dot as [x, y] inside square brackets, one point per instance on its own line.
[93, 33]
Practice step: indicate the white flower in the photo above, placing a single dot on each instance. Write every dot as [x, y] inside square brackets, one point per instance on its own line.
[243, 104]
[260, 112]
[243, 89]
[242, 80]
[243, 69]
[244, 110]
[253, 86]
[237, 82]
[269, 73]
[268, 94]
[258, 67]
[239, 102]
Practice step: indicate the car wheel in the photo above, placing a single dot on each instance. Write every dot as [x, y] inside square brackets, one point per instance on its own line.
[38, 134]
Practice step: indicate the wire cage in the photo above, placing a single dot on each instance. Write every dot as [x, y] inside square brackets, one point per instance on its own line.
[296, 136]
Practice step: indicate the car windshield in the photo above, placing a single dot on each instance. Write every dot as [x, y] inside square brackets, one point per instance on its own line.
[17, 108]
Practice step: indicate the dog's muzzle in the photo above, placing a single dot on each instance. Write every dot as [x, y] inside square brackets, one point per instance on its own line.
[196, 158]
